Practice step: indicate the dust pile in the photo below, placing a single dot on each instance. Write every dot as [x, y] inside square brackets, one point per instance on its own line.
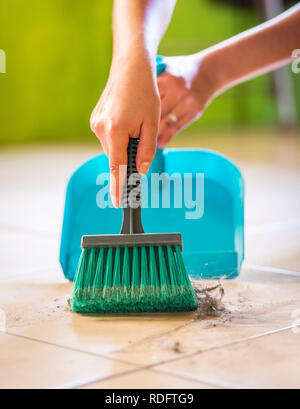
[209, 297]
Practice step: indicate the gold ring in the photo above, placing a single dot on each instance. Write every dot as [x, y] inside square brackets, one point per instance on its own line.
[173, 118]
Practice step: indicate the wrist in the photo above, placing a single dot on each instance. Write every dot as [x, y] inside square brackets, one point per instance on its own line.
[210, 73]
[222, 63]
[138, 56]
[205, 83]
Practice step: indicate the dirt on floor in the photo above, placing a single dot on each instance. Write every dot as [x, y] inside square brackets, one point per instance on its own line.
[210, 297]
[47, 307]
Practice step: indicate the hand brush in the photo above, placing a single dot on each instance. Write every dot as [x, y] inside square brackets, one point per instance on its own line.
[132, 271]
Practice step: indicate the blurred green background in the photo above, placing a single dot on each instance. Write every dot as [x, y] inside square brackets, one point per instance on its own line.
[58, 58]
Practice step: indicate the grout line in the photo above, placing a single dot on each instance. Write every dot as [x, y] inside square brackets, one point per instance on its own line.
[272, 227]
[96, 379]
[203, 380]
[229, 344]
[272, 270]
[93, 354]
[191, 354]
[136, 367]
[90, 381]
[200, 380]
[149, 366]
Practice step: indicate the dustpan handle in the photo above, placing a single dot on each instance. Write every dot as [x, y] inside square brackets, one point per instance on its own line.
[132, 193]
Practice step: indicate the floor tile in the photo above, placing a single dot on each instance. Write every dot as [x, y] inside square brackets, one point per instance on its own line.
[251, 309]
[28, 364]
[99, 334]
[272, 194]
[33, 182]
[23, 253]
[32, 209]
[268, 362]
[38, 308]
[34, 297]
[148, 379]
[256, 303]
[35, 304]
[277, 249]
[262, 274]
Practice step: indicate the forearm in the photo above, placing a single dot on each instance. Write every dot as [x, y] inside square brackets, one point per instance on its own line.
[139, 25]
[256, 51]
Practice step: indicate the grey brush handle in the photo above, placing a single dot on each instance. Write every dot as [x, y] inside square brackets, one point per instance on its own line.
[132, 193]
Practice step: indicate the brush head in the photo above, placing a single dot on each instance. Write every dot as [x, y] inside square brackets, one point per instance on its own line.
[126, 279]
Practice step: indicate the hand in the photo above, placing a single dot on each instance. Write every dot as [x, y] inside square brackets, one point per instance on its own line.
[129, 107]
[186, 89]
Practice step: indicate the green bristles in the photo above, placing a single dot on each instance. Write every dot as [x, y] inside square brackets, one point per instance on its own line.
[133, 279]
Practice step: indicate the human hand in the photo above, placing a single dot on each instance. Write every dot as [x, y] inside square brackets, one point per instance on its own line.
[128, 107]
[186, 89]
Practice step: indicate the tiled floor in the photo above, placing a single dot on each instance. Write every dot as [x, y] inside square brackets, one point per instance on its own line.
[253, 344]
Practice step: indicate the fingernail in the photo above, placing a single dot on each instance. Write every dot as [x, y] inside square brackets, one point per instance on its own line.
[144, 167]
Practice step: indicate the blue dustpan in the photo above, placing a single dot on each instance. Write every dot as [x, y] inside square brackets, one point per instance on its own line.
[212, 230]
[203, 200]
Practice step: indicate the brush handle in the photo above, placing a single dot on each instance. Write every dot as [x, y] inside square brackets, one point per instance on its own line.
[132, 203]
[132, 193]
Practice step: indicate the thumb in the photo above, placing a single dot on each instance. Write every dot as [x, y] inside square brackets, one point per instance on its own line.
[147, 146]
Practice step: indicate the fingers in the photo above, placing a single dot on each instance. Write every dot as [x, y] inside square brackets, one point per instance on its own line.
[117, 164]
[114, 140]
[171, 92]
[173, 129]
[97, 126]
[147, 145]
[168, 103]
[179, 111]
